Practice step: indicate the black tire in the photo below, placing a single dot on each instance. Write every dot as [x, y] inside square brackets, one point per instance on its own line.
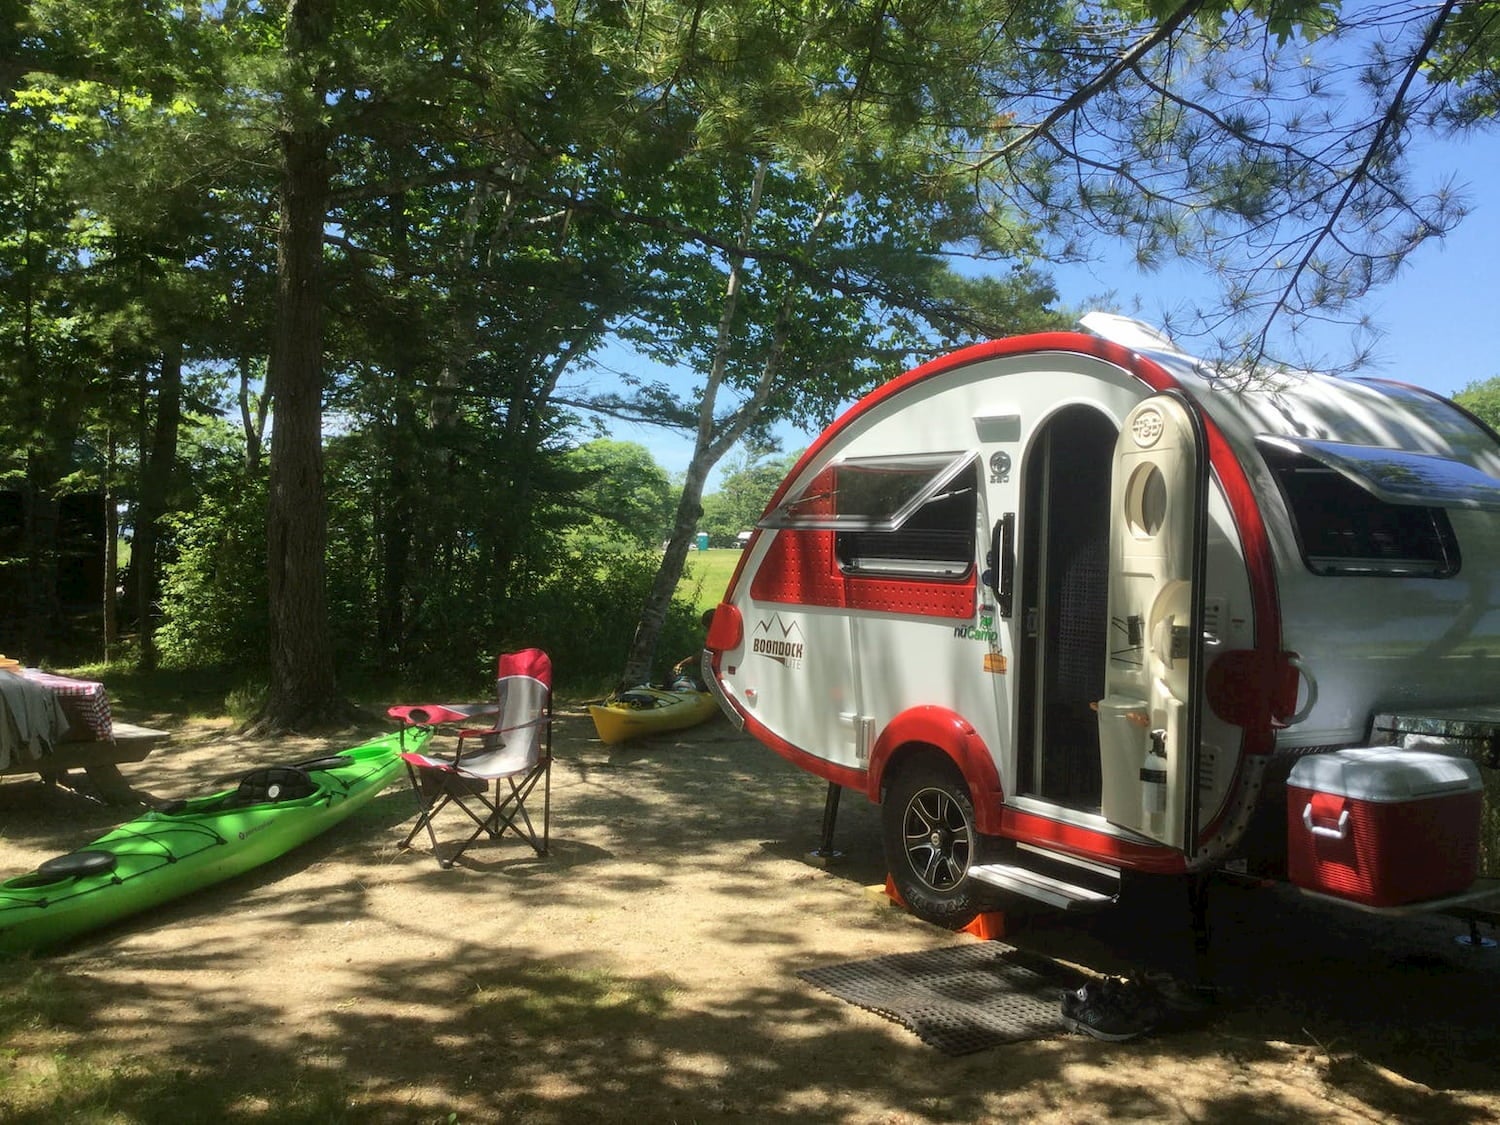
[927, 823]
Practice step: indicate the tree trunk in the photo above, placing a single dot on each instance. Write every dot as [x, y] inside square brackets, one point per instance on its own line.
[111, 549]
[638, 664]
[252, 422]
[525, 431]
[714, 439]
[395, 517]
[158, 464]
[707, 449]
[302, 691]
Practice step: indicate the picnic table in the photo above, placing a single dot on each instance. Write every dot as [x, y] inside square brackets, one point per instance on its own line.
[51, 725]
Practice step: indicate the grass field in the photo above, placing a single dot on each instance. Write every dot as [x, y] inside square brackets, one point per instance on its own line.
[706, 575]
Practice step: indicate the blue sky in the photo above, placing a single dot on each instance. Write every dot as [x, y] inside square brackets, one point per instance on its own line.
[1439, 319]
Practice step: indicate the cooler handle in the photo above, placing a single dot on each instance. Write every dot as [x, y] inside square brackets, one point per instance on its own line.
[1337, 833]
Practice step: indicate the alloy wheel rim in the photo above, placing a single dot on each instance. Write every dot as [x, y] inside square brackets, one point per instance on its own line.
[938, 839]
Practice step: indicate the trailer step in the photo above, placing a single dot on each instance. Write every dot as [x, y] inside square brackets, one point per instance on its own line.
[1043, 888]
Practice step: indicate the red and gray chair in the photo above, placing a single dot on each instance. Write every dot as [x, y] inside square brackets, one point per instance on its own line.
[494, 770]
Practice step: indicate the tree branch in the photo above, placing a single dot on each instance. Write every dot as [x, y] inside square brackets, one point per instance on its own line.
[1101, 81]
[1387, 123]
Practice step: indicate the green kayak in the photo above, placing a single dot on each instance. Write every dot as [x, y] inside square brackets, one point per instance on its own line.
[182, 847]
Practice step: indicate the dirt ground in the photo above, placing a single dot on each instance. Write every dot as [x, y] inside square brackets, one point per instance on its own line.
[646, 971]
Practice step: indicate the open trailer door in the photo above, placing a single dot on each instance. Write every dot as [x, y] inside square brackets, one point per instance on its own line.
[1149, 718]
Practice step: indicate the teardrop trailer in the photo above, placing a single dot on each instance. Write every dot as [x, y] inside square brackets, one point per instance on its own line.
[1073, 609]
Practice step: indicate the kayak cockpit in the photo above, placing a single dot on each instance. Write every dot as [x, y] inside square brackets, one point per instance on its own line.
[74, 865]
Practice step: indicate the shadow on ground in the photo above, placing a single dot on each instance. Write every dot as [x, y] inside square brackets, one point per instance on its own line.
[351, 981]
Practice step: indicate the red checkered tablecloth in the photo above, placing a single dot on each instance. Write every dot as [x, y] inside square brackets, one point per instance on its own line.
[84, 702]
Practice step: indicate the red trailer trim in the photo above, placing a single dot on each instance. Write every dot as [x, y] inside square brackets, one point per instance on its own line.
[956, 737]
[1087, 843]
[847, 776]
[1255, 542]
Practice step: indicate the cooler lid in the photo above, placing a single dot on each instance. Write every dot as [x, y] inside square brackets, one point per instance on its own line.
[1383, 773]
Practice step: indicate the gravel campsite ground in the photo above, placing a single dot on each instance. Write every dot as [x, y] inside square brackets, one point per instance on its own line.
[646, 971]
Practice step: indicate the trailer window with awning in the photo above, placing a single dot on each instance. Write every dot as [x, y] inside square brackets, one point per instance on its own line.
[894, 515]
[1366, 510]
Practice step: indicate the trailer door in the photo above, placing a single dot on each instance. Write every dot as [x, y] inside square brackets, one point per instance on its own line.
[1149, 717]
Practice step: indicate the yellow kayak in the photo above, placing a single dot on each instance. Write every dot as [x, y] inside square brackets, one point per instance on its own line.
[646, 710]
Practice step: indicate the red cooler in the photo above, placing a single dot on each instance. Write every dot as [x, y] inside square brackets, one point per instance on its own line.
[1383, 826]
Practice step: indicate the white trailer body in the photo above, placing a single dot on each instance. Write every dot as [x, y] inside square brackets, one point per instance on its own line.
[1063, 600]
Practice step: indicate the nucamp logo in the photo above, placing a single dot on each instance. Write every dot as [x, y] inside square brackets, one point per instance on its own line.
[778, 640]
[984, 630]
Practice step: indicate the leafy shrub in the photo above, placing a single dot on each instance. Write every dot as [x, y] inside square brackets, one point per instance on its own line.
[214, 595]
[585, 612]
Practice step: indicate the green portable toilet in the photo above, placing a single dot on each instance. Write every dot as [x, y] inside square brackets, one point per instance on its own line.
[702, 540]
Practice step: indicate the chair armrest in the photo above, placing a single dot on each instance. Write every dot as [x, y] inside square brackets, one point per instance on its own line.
[430, 714]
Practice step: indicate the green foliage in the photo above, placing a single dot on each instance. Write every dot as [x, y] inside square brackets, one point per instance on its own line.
[1466, 64]
[214, 590]
[584, 614]
[578, 598]
[621, 492]
[706, 576]
[587, 570]
[1482, 399]
[743, 491]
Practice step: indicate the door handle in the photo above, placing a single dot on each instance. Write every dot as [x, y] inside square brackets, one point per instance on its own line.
[1002, 563]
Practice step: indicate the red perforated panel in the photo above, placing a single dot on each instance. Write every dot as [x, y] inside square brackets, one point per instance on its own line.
[923, 598]
[800, 569]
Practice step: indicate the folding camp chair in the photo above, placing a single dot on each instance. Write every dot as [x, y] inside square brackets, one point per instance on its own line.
[515, 753]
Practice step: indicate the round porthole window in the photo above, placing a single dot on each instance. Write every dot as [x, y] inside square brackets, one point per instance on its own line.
[1146, 501]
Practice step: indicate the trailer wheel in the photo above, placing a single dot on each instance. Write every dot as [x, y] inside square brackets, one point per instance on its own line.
[930, 841]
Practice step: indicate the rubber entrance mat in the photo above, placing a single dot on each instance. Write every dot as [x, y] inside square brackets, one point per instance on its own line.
[960, 999]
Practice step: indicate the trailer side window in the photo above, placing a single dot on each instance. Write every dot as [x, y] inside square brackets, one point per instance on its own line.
[1344, 529]
[935, 541]
[895, 515]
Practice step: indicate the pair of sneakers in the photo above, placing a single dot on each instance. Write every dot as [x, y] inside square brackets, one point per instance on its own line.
[1112, 1008]
[1119, 1008]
